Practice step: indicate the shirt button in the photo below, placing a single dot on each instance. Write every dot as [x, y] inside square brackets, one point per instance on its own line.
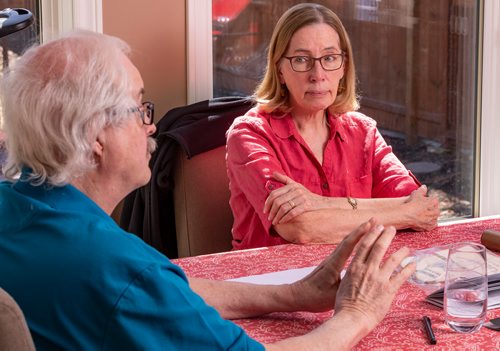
[325, 185]
[270, 186]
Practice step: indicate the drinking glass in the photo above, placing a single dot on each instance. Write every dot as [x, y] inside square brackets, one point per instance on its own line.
[466, 287]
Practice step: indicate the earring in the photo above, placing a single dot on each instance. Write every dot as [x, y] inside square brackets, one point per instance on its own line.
[283, 90]
[341, 87]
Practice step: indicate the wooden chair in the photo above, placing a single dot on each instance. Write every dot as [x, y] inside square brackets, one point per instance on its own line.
[14, 332]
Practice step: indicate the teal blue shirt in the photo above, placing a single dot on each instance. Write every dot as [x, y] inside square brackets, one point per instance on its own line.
[85, 284]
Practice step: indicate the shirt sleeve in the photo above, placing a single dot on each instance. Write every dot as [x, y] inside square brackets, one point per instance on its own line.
[251, 161]
[159, 311]
[390, 176]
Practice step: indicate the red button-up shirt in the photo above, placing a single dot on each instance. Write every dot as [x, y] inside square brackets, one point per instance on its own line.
[357, 162]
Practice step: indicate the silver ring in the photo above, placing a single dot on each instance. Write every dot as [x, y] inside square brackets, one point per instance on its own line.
[291, 203]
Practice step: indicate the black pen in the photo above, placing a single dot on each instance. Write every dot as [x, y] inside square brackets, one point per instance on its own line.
[428, 330]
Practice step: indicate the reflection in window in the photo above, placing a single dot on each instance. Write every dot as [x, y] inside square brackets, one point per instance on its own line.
[13, 45]
[416, 66]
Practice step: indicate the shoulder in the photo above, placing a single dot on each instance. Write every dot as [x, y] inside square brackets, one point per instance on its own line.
[16, 210]
[255, 120]
[357, 119]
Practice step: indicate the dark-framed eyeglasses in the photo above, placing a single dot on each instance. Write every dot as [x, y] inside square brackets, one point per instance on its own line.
[146, 112]
[330, 62]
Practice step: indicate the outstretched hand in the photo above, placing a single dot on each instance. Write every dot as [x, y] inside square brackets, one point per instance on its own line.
[369, 286]
[316, 292]
[289, 201]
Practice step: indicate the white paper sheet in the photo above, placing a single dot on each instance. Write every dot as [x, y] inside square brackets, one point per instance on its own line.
[275, 278]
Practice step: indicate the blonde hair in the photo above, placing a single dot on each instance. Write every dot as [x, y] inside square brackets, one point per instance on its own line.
[57, 98]
[271, 95]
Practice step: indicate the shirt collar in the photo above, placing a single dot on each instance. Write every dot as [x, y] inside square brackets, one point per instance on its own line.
[337, 125]
[284, 127]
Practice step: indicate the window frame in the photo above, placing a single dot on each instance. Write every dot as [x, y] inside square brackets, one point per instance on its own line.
[199, 50]
[60, 16]
[487, 165]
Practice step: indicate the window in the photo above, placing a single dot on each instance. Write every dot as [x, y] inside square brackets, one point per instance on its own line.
[13, 45]
[417, 66]
[51, 18]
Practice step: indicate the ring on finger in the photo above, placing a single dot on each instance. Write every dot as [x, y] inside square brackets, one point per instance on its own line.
[291, 203]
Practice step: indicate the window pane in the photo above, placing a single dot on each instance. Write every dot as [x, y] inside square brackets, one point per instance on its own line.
[416, 65]
[13, 45]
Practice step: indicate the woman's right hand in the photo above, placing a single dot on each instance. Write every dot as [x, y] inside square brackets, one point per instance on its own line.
[291, 200]
[422, 210]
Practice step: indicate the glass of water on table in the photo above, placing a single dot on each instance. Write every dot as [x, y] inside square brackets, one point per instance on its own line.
[466, 287]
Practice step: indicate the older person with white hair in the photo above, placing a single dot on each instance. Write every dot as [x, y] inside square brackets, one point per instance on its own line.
[79, 140]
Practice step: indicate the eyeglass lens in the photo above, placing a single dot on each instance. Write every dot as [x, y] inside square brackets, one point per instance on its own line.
[306, 63]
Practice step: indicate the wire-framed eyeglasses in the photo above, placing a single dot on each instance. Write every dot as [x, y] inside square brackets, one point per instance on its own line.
[330, 62]
[146, 112]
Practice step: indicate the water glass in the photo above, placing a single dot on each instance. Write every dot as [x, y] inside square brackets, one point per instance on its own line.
[466, 287]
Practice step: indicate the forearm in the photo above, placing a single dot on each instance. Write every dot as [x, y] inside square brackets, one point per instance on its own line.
[332, 222]
[341, 332]
[241, 300]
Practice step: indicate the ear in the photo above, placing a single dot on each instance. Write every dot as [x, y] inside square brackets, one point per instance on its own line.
[98, 146]
[280, 75]
[343, 68]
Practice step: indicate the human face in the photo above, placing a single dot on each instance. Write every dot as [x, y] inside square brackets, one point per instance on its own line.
[128, 146]
[314, 91]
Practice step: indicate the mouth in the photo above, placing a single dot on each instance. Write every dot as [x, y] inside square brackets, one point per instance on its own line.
[317, 92]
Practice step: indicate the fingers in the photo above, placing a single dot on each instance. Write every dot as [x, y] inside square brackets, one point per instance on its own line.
[420, 192]
[295, 211]
[380, 246]
[404, 275]
[286, 211]
[280, 177]
[337, 259]
[273, 196]
[346, 246]
[392, 263]
[366, 244]
[284, 203]
[276, 194]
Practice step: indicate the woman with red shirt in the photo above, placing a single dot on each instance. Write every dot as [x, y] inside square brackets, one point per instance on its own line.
[303, 166]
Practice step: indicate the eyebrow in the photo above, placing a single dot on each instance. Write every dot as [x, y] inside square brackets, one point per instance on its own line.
[330, 48]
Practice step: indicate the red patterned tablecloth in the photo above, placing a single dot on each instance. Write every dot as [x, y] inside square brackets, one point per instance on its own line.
[402, 328]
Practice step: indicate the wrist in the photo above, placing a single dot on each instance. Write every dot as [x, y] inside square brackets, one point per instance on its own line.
[354, 327]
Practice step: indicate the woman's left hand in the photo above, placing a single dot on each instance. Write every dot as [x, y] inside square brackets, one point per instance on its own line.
[291, 200]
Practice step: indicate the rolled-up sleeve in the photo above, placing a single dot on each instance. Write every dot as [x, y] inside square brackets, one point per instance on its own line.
[251, 161]
[390, 176]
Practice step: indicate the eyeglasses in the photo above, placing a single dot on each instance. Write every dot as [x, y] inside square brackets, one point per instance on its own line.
[146, 111]
[330, 62]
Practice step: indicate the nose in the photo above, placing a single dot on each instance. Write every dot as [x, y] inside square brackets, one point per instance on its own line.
[317, 72]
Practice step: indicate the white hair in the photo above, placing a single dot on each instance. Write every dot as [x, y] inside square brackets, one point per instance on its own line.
[56, 99]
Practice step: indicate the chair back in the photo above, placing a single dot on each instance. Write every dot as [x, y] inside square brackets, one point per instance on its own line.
[203, 218]
[14, 332]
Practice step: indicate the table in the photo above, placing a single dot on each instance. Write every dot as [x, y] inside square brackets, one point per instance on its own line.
[401, 329]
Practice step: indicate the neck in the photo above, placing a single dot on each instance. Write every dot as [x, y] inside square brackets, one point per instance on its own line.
[105, 195]
[312, 122]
